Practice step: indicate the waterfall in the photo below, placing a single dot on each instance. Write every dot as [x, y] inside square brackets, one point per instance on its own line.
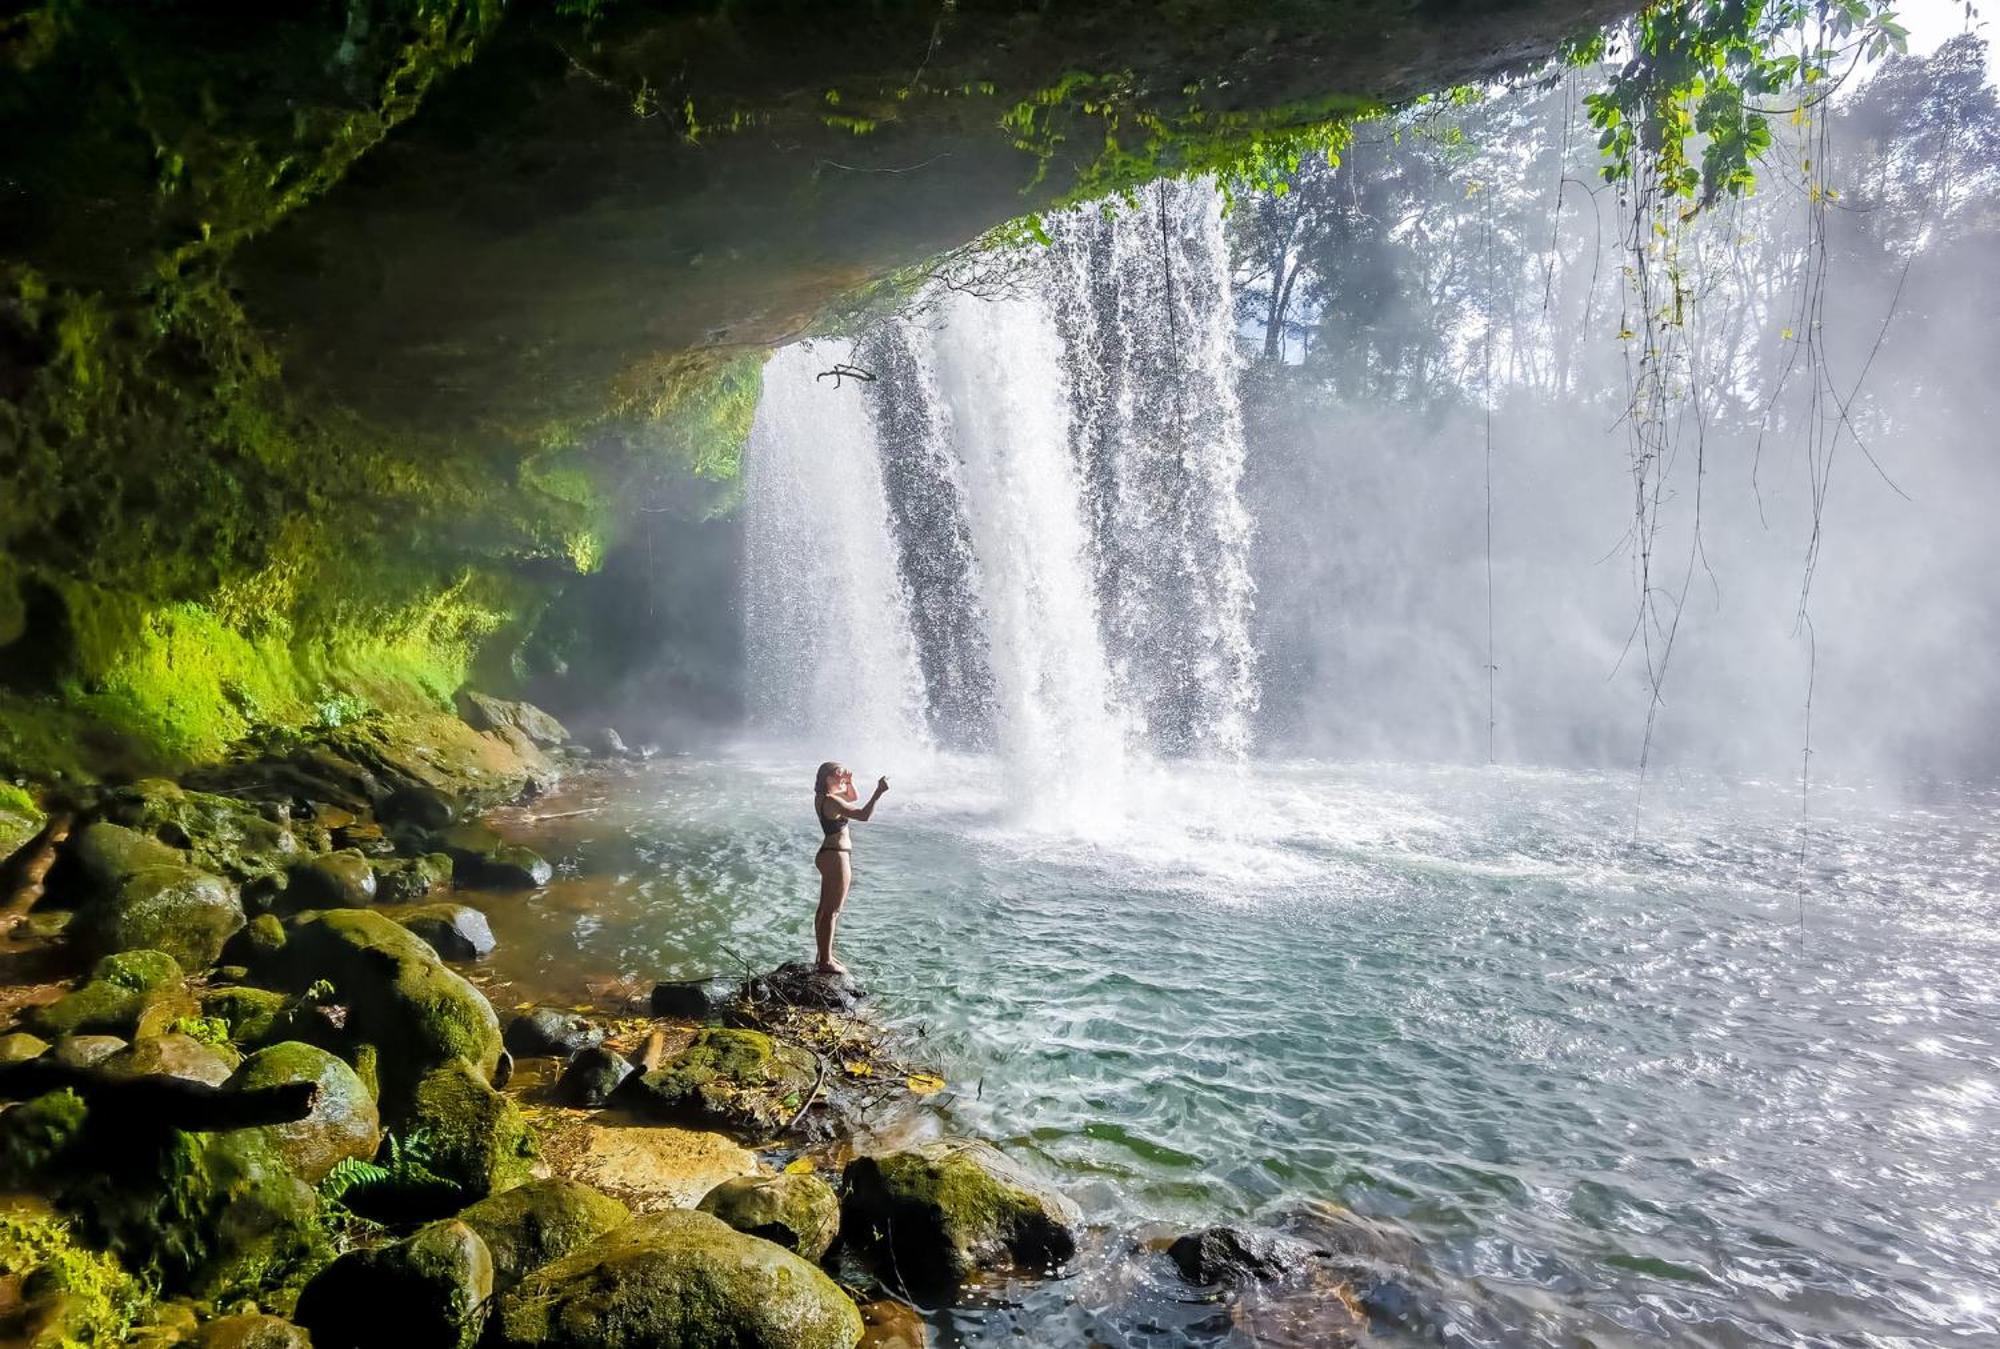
[1025, 534]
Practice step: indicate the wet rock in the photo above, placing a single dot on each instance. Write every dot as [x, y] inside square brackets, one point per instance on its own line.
[732, 1079]
[797, 1211]
[343, 1124]
[188, 914]
[400, 996]
[454, 931]
[409, 880]
[479, 1140]
[590, 1079]
[551, 1032]
[335, 880]
[428, 1291]
[607, 743]
[19, 1047]
[692, 1001]
[251, 1330]
[677, 1278]
[481, 857]
[172, 1055]
[100, 855]
[544, 1220]
[254, 1015]
[654, 1166]
[496, 714]
[85, 1051]
[1232, 1255]
[797, 984]
[947, 1209]
[424, 807]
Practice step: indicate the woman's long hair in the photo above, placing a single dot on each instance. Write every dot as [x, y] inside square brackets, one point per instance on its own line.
[825, 775]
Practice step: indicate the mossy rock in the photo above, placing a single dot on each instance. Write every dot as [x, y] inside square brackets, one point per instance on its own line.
[947, 1209]
[20, 819]
[335, 880]
[257, 944]
[98, 1008]
[400, 997]
[19, 1047]
[220, 834]
[140, 971]
[428, 1291]
[680, 1278]
[797, 1211]
[344, 1122]
[188, 914]
[733, 1079]
[479, 1141]
[409, 880]
[544, 1220]
[35, 1135]
[100, 855]
[173, 1055]
[551, 1032]
[421, 807]
[481, 857]
[251, 1330]
[254, 1015]
[85, 1051]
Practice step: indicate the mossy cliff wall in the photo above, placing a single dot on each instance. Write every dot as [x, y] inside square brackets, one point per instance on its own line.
[336, 337]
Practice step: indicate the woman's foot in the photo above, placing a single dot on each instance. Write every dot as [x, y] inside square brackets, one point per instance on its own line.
[830, 967]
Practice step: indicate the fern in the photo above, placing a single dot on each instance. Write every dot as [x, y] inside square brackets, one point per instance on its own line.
[403, 1169]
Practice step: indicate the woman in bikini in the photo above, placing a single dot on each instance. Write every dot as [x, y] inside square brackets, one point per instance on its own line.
[833, 802]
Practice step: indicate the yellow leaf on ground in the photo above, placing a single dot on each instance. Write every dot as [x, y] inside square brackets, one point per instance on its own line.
[855, 1068]
[923, 1084]
[801, 1166]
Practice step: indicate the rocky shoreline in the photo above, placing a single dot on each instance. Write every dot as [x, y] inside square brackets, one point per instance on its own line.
[251, 1102]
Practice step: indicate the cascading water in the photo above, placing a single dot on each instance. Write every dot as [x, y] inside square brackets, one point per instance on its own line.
[1031, 515]
[830, 648]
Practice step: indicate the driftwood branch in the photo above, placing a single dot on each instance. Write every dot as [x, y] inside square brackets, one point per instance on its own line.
[170, 1102]
[840, 372]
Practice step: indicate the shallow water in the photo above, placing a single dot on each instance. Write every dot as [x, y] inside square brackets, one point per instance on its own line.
[1619, 1084]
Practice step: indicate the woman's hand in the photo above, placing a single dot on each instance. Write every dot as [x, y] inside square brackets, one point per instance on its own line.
[881, 785]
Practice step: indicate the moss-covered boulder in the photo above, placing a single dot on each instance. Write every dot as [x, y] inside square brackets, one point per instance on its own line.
[732, 1079]
[409, 880]
[21, 818]
[219, 834]
[797, 1211]
[111, 1001]
[544, 1220]
[589, 1079]
[188, 914]
[478, 1139]
[173, 1055]
[428, 1291]
[947, 1209]
[251, 1330]
[680, 1278]
[344, 1122]
[253, 1015]
[19, 1047]
[100, 855]
[400, 997]
[454, 931]
[335, 880]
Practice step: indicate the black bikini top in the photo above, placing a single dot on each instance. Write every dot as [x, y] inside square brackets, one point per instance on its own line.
[831, 827]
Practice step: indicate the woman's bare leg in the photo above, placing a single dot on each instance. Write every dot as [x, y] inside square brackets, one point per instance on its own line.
[834, 875]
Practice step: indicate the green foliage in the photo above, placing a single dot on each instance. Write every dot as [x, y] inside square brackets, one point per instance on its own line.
[403, 1173]
[209, 1030]
[1702, 73]
[100, 1300]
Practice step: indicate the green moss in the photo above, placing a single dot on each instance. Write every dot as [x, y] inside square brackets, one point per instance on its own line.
[249, 1016]
[35, 1134]
[734, 1079]
[799, 1212]
[343, 1123]
[479, 1140]
[140, 971]
[21, 818]
[544, 1220]
[98, 1301]
[98, 1008]
[944, 1210]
